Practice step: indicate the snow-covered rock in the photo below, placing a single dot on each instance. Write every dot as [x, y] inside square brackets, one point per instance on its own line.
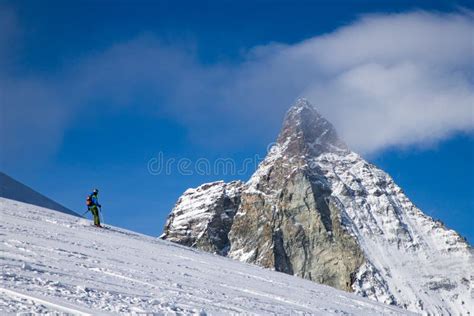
[317, 210]
[57, 264]
[203, 216]
[411, 260]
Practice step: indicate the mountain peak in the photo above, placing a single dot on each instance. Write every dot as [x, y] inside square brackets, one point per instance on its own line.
[300, 104]
[334, 219]
[305, 131]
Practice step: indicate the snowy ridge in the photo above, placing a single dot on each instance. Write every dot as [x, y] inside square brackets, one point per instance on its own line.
[14, 190]
[57, 263]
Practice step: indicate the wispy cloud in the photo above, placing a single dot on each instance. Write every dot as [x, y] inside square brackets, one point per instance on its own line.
[385, 80]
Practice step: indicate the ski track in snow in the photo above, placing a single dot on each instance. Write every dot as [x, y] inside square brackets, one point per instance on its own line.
[56, 263]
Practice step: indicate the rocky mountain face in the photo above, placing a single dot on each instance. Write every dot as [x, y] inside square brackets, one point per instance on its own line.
[317, 210]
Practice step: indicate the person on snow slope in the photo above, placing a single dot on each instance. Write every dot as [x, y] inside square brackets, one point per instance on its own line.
[94, 206]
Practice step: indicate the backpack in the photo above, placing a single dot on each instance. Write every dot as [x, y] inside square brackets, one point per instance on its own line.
[89, 201]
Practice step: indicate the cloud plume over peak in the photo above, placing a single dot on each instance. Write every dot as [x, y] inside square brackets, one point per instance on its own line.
[384, 80]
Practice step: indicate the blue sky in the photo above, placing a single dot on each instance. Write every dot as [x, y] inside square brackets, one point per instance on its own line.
[93, 90]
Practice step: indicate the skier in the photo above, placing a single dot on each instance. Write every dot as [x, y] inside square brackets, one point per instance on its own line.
[93, 206]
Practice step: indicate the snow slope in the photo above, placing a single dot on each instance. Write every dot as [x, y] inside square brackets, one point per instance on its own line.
[54, 262]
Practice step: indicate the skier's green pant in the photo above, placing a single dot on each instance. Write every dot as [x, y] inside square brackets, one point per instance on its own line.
[95, 211]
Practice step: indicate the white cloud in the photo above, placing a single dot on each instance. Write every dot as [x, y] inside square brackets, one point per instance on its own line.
[377, 106]
[395, 80]
[385, 80]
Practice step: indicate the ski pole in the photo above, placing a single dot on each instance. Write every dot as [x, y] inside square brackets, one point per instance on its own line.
[102, 215]
[85, 213]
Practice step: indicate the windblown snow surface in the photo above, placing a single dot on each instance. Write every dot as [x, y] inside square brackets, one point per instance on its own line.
[57, 263]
